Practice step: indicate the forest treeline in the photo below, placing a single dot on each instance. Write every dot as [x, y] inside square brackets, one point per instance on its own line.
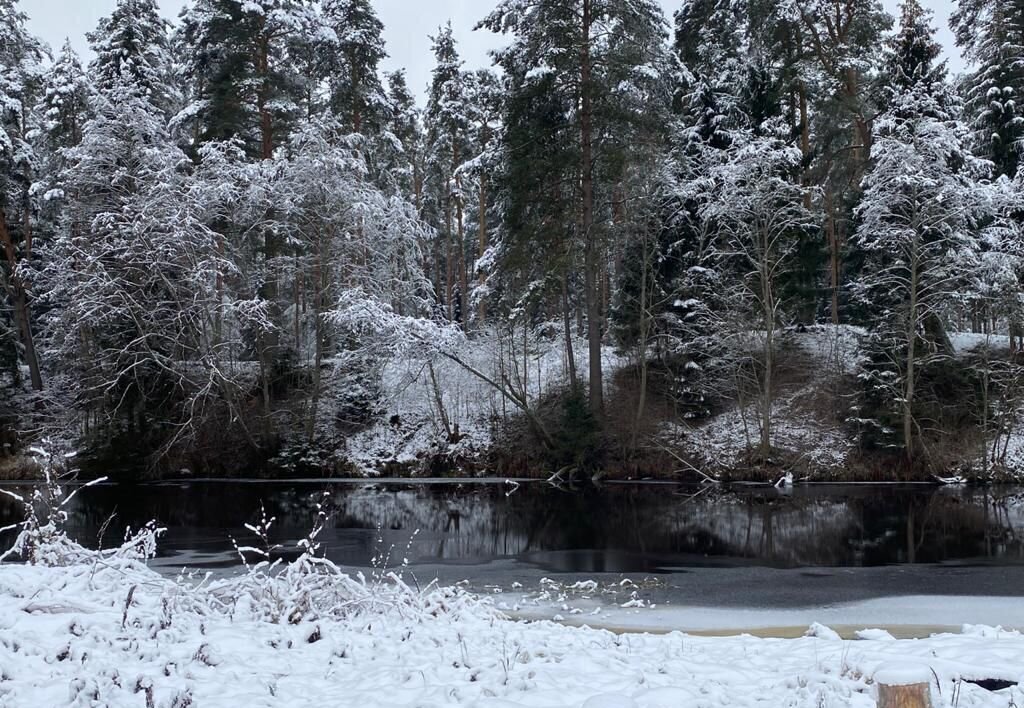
[218, 232]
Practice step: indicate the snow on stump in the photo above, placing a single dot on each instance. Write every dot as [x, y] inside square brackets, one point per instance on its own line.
[904, 686]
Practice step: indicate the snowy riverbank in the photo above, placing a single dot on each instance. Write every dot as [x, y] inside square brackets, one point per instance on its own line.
[103, 629]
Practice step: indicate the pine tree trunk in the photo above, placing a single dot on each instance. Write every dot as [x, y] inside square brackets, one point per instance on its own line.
[911, 335]
[861, 127]
[461, 245]
[218, 320]
[357, 104]
[449, 257]
[645, 326]
[28, 340]
[19, 298]
[417, 186]
[833, 249]
[320, 287]
[263, 95]
[591, 264]
[268, 340]
[570, 354]
[23, 319]
[429, 250]
[805, 141]
[767, 385]
[482, 218]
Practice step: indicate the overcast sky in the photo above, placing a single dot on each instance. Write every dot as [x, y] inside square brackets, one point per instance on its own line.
[407, 24]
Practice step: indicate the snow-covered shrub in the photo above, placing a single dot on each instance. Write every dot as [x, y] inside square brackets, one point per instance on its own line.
[308, 589]
[44, 511]
[313, 588]
[42, 539]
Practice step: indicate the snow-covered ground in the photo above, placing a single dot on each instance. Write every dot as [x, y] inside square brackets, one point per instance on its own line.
[964, 342]
[831, 347]
[412, 427]
[812, 434]
[819, 441]
[102, 629]
[724, 440]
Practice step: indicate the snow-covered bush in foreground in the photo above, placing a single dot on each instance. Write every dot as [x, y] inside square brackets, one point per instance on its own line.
[41, 539]
[309, 588]
[312, 588]
[117, 634]
[96, 628]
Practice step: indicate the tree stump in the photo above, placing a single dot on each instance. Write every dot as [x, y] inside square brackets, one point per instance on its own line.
[906, 686]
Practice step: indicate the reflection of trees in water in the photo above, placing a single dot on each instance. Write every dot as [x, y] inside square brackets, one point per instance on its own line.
[961, 524]
[440, 522]
[835, 528]
[839, 526]
[784, 531]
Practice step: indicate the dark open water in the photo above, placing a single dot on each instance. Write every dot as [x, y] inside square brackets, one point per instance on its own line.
[621, 528]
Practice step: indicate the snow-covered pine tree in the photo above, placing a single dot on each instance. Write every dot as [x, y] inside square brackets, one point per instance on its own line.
[912, 56]
[243, 70]
[485, 96]
[447, 126]
[132, 45]
[63, 112]
[756, 209]
[251, 78]
[353, 55]
[403, 158]
[834, 47]
[711, 45]
[991, 34]
[667, 291]
[211, 76]
[607, 62]
[21, 74]
[671, 285]
[920, 204]
[992, 297]
[65, 103]
[533, 258]
[710, 42]
[349, 236]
